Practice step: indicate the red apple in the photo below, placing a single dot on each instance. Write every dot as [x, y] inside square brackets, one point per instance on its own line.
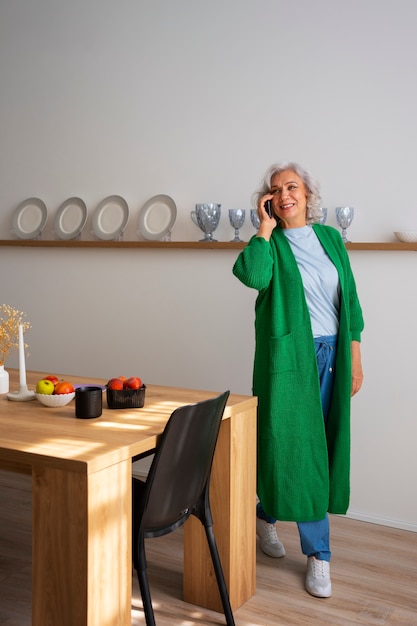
[132, 383]
[115, 383]
[54, 379]
[63, 387]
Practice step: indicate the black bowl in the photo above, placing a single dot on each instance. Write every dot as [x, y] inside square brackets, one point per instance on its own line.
[126, 398]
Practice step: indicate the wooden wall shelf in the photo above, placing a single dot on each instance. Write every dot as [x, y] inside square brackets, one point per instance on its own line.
[169, 245]
[394, 245]
[73, 243]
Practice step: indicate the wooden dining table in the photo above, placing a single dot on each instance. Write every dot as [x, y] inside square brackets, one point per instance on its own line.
[81, 501]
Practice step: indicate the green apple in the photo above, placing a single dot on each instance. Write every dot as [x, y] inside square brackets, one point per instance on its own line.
[45, 387]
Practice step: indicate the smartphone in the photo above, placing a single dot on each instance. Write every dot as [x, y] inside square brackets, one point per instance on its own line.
[268, 207]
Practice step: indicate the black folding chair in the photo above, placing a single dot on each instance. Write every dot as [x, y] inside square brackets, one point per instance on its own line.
[177, 486]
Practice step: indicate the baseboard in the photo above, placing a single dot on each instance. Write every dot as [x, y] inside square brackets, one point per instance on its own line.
[382, 521]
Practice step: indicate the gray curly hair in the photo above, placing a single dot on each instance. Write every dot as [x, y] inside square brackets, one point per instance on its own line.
[313, 188]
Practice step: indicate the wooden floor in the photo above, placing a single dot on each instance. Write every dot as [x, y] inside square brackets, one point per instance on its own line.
[374, 575]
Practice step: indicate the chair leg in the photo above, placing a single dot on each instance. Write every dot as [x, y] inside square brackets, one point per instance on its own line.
[219, 575]
[146, 597]
[141, 567]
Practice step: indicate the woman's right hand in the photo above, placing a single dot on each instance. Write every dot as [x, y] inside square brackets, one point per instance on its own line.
[267, 223]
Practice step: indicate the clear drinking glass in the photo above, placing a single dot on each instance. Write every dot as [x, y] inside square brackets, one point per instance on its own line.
[207, 217]
[236, 218]
[344, 217]
[254, 218]
[323, 216]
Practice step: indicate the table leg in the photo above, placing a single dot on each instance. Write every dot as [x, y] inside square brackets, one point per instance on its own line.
[232, 497]
[81, 547]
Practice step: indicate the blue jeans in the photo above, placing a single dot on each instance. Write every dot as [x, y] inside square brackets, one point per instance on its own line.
[315, 536]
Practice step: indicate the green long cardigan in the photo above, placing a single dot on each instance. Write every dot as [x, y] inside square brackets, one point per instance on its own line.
[303, 466]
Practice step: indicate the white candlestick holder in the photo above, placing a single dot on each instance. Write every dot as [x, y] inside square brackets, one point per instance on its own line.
[23, 395]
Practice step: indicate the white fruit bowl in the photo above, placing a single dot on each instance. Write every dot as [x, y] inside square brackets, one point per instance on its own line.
[60, 399]
[407, 236]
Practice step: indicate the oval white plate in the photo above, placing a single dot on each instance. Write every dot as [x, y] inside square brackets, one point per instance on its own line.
[29, 218]
[157, 217]
[110, 217]
[70, 218]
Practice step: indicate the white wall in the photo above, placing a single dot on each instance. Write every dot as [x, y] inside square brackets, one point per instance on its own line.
[196, 100]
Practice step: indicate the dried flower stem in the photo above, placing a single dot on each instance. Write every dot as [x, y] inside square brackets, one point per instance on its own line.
[10, 320]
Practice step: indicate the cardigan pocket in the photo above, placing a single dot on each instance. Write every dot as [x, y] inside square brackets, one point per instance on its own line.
[282, 354]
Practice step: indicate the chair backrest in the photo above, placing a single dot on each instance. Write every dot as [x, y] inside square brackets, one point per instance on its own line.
[182, 465]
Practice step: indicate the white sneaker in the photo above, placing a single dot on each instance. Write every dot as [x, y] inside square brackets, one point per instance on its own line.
[268, 539]
[318, 578]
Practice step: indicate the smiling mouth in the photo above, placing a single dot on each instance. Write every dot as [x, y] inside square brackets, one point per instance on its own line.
[286, 206]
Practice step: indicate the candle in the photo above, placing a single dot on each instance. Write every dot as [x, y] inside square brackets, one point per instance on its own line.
[22, 368]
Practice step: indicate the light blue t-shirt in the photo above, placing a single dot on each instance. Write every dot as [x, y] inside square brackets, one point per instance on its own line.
[320, 279]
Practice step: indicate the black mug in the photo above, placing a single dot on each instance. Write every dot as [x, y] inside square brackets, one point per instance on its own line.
[88, 402]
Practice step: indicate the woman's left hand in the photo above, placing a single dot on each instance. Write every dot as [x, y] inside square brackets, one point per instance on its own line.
[357, 373]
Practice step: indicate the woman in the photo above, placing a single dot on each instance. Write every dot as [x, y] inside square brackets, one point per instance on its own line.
[307, 366]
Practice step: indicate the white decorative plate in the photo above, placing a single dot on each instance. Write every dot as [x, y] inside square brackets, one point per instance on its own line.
[29, 218]
[157, 217]
[110, 218]
[70, 218]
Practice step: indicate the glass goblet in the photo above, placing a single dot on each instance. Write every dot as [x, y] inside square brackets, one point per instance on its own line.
[344, 217]
[236, 218]
[323, 216]
[254, 218]
[206, 217]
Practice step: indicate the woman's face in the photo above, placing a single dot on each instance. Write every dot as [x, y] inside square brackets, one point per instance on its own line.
[290, 199]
